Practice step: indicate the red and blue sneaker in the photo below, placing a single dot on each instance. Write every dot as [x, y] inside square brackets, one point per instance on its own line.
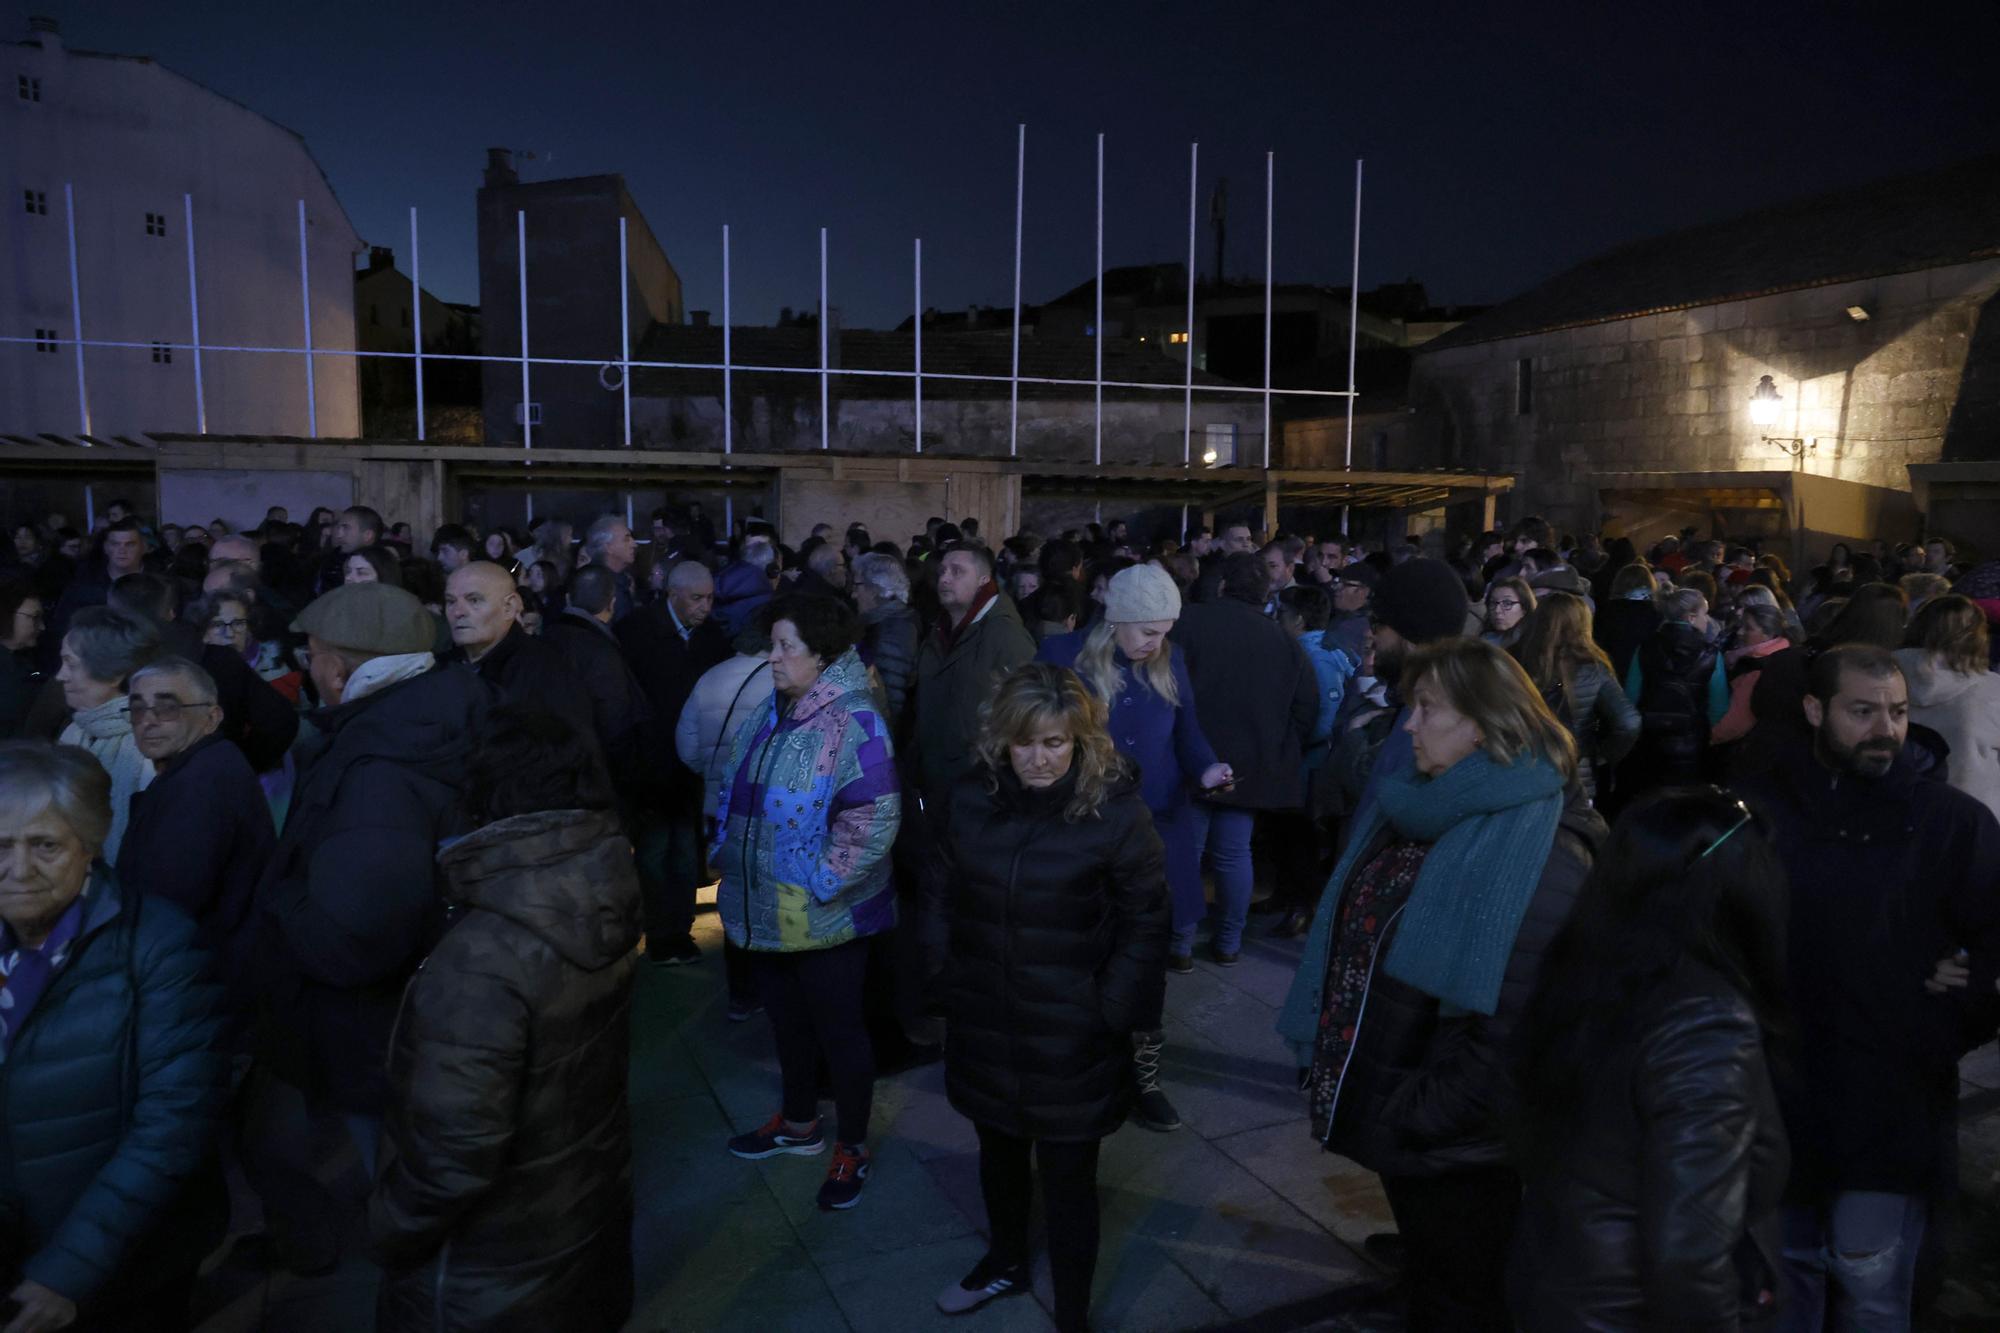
[774, 1139]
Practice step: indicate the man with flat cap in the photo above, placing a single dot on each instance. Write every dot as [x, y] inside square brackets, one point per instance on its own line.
[349, 904]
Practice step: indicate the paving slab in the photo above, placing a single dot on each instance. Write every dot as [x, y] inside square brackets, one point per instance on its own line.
[874, 1296]
[1343, 1198]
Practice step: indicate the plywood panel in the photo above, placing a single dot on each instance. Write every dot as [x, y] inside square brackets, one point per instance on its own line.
[890, 510]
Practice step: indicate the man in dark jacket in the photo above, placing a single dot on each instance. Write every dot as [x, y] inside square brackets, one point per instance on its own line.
[744, 586]
[121, 551]
[483, 607]
[620, 715]
[1890, 874]
[979, 639]
[201, 834]
[670, 644]
[349, 903]
[889, 629]
[1257, 698]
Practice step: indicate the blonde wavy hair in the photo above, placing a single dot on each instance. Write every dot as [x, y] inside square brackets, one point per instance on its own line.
[1097, 663]
[1038, 698]
[1483, 683]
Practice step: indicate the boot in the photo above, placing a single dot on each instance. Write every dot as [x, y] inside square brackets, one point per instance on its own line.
[1152, 1109]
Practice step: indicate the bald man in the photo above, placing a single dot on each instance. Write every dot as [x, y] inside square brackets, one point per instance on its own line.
[483, 608]
[669, 645]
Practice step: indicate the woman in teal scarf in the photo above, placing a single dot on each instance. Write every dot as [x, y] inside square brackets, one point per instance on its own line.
[1458, 873]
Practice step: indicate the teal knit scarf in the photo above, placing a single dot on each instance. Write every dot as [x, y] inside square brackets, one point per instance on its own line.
[1490, 827]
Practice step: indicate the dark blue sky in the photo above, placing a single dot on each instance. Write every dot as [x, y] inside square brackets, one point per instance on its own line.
[1503, 143]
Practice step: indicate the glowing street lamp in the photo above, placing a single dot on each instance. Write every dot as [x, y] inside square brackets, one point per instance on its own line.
[1765, 403]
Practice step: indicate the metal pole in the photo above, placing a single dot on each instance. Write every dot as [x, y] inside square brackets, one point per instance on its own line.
[824, 314]
[306, 304]
[920, 344]
[1187, 343]
[521, 257]
[1098, 325]
[625, 346]
[1270, 175]
[1353, 329]
[89, 508]
[1014, 384]
[194, 310]
[729, 415]
[417, 317]
[76, 312]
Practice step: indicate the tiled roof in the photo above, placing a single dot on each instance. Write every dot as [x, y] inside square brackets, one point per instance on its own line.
[1925, 220]
[867, 349]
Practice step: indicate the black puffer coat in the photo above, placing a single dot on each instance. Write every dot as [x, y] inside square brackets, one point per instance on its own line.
[1257, 698]
[1662, 1209]
[1045, 939]
[1424, 1094]
[1675, 665]
[1620, 626]
[889, 637]
[504, 1195]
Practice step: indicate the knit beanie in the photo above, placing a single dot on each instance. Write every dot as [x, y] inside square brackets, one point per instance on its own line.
[1143, 592]
[1422, 600]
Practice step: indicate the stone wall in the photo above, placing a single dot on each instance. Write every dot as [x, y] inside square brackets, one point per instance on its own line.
[1671, 392]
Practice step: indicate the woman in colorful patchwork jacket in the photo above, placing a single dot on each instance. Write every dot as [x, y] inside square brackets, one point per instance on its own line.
[805, 824]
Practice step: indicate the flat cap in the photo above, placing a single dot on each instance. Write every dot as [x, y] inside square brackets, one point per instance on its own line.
[371, 618]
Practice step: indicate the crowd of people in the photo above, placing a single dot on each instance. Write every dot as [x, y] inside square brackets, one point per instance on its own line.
[1647, 900]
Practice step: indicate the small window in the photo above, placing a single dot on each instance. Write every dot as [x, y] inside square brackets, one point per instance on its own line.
[1176, 338]
[45, 340]
[1524, 386]
[532, 416]
[156, 224]
[37, 202]
[163, 354]
[31, 89]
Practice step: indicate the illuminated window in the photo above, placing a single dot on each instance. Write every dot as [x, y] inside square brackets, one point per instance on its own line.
[1176, 338]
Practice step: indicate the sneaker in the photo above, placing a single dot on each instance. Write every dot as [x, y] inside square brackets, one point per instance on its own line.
[774, 1139]
[1180, 962]
[844, 1179]
[982, 1284]
[742, 1011]
[1151, 1109]
[673, 954]
[1227, 959]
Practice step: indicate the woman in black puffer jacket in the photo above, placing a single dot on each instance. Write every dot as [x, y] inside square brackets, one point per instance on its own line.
[1047, 936]
[1653, 1151]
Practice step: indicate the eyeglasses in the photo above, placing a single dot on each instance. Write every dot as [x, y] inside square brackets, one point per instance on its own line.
[1503, 605]
[32, 617]
[227, 626]
[167, 710]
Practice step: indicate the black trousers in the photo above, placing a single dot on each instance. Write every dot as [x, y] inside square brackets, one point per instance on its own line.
[813, 999]
[1299, 857]
[1069, 1206]
[1457, 1229]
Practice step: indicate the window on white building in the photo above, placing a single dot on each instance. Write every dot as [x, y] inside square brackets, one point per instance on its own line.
[156, 224]
[163, 354]
[45, 340]
[31, 89]
[37, 202]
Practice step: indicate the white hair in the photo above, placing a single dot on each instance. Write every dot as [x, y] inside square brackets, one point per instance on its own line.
[758, 551]
[885, 574]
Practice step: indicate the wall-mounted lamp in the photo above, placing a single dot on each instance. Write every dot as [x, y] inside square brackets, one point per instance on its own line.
[1766, 403]
[1857, 313]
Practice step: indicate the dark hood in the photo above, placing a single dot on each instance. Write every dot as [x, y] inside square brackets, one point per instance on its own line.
[427, 722]
[565, 875]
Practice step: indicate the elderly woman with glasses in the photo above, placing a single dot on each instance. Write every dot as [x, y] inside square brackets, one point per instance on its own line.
[111, 1078]
[100, 651]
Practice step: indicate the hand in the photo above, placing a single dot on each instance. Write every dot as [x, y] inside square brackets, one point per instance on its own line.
[1216, 777]
[42, 1310]
[1952, 974]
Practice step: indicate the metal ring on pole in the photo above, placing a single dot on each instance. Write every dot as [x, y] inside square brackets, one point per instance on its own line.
[607, 369]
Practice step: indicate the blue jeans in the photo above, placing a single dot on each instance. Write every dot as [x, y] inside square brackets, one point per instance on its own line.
[1180, 838]
[1852, 1264]
[1223, 832]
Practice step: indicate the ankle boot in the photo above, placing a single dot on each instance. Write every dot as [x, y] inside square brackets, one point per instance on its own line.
[1152, 1109]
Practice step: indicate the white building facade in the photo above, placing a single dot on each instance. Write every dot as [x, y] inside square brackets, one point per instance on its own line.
[124, 151]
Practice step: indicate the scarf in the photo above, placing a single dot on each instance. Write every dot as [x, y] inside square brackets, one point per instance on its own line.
[25, 973]
[948, 633]
[1491, 826]
[106, 731]
[379, 673]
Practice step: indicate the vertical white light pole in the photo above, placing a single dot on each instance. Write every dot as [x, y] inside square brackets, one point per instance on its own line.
[1098, 325]
[1270, 223]
[417, 318]
[306, 305]
[1014, 386]
[625, 348]
[920, 344]
[521, 260]
[728, 401]
[1353, 328]
[825, 316]
[1187, 345]
[76, 313]
[194, 311]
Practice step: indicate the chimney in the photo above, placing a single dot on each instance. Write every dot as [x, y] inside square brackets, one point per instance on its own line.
[500, 167]
[698, 318]
[46, 31]
[380, 257]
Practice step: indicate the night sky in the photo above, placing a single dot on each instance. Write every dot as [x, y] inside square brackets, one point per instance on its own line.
[1503, 143]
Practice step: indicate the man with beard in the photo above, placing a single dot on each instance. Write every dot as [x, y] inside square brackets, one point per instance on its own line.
[1893, 875]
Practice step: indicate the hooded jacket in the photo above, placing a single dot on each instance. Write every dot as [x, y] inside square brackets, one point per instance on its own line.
[807, 819]
[1964, 708]
[350, 901]
[504, 1195]
[741, 591]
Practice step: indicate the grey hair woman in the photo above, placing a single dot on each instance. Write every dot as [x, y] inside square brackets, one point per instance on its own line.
[113, 1192]
[101, 650]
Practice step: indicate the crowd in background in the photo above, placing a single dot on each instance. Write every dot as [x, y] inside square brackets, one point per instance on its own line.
[1648, 898]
